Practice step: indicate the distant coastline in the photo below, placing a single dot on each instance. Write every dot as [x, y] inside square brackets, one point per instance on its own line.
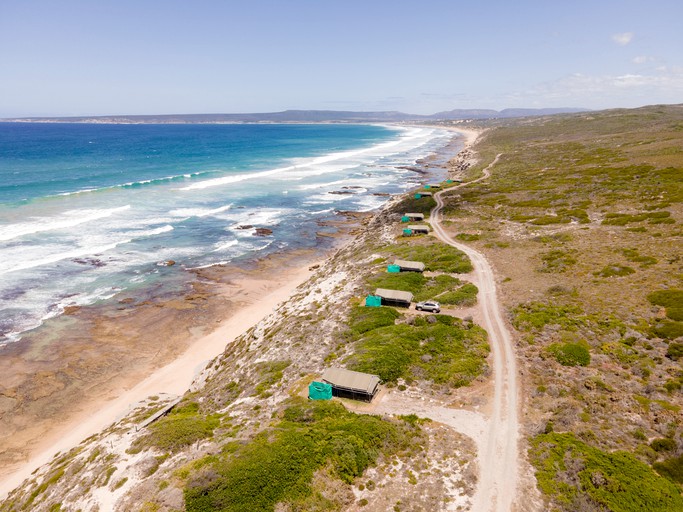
[300, 116]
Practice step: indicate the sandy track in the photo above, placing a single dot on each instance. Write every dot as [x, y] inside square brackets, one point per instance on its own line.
[498, 458]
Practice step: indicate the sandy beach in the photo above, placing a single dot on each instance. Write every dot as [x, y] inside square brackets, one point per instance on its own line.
[79, 411]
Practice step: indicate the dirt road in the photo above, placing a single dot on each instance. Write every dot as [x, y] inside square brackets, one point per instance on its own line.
[498, 459]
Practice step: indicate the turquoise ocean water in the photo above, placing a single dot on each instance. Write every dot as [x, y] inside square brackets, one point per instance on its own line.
[90, 210]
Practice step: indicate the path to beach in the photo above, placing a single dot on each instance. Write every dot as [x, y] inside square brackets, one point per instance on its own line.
[498, 457]
[495, 433]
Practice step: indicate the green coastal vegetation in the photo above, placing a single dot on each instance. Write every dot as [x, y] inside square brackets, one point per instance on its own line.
[278, 465]
[582, 215]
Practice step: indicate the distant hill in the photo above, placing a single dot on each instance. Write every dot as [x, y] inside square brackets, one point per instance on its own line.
[304, 116]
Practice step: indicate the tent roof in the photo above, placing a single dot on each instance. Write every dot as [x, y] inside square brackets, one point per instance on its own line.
[410, 264]
[394, 294]
[419, 227]
[348, 379]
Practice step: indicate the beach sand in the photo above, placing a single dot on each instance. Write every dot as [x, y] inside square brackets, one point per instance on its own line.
[58, 391]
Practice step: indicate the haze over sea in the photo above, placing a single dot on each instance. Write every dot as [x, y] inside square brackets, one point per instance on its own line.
[89, 210]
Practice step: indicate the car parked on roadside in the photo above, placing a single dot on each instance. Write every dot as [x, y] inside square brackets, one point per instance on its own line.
[428, 305]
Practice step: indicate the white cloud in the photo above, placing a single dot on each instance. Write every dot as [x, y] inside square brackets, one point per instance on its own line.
[622, 38]
[642, 59]
[663, 85]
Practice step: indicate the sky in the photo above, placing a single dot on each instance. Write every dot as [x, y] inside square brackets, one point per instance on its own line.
[117, 57]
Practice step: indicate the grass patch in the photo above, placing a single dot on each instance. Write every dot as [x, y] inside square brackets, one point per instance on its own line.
[437, 256]
[180, 428]
[668, 329]
[622, 219]
[445, 352]
[573, 473]
[633, 256]
[271, 374]
[277, 465]
[465, 296]
[534, 316]
[363, 319]
[671, 299]
[557, 261]
[614, 271]
[467, 237]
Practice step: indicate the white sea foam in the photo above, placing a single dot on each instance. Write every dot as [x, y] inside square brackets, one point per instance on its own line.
[198, 212]
[65, 220]
[406, 139]
[140, 183]
[54, 258]
[222, 246]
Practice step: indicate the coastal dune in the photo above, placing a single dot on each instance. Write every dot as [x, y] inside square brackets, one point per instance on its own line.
[252, 297]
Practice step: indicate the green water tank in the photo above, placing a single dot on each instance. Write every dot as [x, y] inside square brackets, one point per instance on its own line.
[319, 391]
[373, 301]
[394, 269]
[405, 218]
[407, 232]
[418, 196]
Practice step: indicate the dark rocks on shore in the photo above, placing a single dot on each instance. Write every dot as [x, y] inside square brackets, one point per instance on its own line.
[413, 169]
[340, 192]
[244, 226]
[89, 261]
[263, 232]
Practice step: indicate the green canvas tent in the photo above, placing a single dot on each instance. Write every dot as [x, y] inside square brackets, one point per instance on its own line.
[393, 269]
[319, 391]
[373, 301]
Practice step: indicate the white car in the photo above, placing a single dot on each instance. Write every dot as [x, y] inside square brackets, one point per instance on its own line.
[428, 305]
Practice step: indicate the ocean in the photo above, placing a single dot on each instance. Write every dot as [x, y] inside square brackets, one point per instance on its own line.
[91, 210]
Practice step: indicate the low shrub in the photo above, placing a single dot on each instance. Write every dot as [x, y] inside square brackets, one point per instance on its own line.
[671, 469]
[663, 444]
[668, 329]
[278, 464]
[674, 351]
[536, 315]
[570, 354]
[581, 477]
